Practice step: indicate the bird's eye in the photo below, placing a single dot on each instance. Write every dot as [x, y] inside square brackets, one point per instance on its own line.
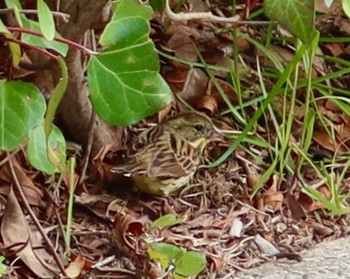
[200, 128]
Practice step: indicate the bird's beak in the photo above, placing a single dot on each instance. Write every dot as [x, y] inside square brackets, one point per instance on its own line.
[218, 131]
[217, 134]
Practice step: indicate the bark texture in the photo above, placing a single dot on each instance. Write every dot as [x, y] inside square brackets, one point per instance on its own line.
[75, 109]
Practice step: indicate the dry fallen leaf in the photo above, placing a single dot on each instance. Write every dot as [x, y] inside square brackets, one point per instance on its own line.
[33, 194]
[194, 86]
[181, 43]
[177, 77]
[227, 88]
[125, 228]
[24, 241]
[343, 134]
[334, 49]
[332, 115]
[104, 205]
[273, 198]
[208, 103]
[75, 268]
[315, 205]
[321, 7]
[326, 141]
[295, 207]
[343, 24]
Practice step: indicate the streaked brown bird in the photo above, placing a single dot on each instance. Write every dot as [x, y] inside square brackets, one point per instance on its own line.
[165, 157]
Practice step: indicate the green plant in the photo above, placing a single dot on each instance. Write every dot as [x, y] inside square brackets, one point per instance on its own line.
[173, 259]
[182, 263]
[298, 17]
[3, 267]
[122, 93]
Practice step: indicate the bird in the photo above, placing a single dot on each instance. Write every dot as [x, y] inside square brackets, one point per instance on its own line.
[165, 157]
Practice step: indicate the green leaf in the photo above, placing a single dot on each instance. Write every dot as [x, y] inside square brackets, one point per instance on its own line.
[346, 7]
[13, 3]
[3, 28]
[18, 16]
[61, 48]
[164, 253]
[159, 257]
[57, 149]
[22, 108]
[295, 15]
[38, 154]
[157, 5]
[15, 50]
[129, 8]
[14, 47]
[124, 98]
[125, 32]
[125, 92]
[16, 6]
[3, 267]
[56, 96]
[190, 264]
[46, 22]
[168, 220]
[178, 276]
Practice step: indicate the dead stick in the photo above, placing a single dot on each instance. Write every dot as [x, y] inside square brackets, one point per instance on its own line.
[35, 220]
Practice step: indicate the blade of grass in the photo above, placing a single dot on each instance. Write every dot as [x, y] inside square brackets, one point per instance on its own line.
[275, 90]
[223, 95]
[72, 183]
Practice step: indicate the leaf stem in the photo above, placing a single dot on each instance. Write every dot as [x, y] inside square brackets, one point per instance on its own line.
[61, 40]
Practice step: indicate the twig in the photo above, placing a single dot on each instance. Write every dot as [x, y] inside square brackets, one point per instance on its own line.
[5, 160]
[62, 40]
[91, 134]
[88, 147]
[203, 16]
[41, 50]
[35, 220]
[64, 16]
[208, 16]
[104, 262]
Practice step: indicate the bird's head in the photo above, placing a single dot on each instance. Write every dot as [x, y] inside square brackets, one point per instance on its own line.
[195, 127]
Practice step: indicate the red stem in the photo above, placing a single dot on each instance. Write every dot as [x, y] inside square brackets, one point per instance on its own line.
[52, 56]
[62, 40]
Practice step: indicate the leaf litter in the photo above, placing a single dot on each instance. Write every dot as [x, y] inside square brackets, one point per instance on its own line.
[233, 230]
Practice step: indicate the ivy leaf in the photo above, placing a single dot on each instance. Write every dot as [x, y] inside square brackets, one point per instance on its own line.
[13, 3]
[168, 220]
[14, 47]
[22, 108]
[3, 267]
[296, 15]
[61, 48]
[128, 8]
[346, 7]
[164, 253]
[190, 264]
[124, 79]
[37, 152]
[46, 22]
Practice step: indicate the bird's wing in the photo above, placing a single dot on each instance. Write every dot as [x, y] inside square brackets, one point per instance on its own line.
[173, 157]
[140, 153]
[160, 152]
[146, 139]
